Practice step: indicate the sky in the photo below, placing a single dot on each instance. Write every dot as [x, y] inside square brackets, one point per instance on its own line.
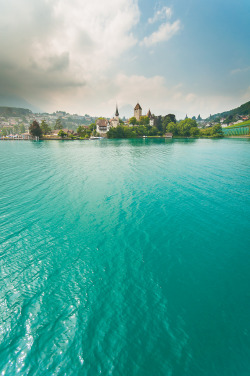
[181, 56]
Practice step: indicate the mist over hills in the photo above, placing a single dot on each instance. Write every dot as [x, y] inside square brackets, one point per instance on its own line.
[14, 111]
[244, 109]
[13, 101]
[7, 110]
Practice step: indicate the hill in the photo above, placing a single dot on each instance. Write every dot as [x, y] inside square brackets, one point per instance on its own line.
[14, 111]
[9, 100]
[244, 109]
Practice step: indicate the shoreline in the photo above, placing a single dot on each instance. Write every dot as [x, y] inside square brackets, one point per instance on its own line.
[137, 138]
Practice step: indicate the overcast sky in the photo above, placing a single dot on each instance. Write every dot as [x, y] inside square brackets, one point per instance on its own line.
[179, 56]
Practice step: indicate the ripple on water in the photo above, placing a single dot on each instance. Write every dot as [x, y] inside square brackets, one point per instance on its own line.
[118, 258]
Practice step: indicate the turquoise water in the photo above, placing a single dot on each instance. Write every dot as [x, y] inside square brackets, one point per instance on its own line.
[125, 257]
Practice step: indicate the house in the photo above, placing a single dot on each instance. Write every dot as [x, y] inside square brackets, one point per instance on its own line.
[169, 135]
[102, 126]
[26, 136]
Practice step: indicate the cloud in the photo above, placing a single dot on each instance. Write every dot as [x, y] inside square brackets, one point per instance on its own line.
[155, 93]
[152, 92]
[240, 70]
[164, 13]
[165, 32]
[55, 50]
[246, 95]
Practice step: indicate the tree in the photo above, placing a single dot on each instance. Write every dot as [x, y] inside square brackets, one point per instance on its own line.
[144, 120]
[62, 134]
[92, 126]
[194, 132]
[35, 129]
[133, 120]
[166, 120]
[229, 119]
[184, 127]
[16, 129]
[153, 131]
[172, 128]
[4, 132]
[22, 128]
[58, 124]
[45, 127]
[81, 131]
[158, 123]
[217, 130]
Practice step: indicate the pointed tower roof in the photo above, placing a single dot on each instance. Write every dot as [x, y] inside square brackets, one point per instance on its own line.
[138, 107]
[116, 112]
[149, 113]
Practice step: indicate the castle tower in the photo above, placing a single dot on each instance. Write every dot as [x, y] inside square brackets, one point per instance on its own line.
[151, 118]
[117, 113]
[137, 112]
[149, 114]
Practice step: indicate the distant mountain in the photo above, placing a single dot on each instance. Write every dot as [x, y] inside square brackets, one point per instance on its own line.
[8, 100]
[14, 111]
[127, 111]
[244, 109]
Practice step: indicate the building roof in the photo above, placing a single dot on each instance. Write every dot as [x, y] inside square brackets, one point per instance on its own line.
[102, 122]
[149, 113]
[138, 107]
[116, 112]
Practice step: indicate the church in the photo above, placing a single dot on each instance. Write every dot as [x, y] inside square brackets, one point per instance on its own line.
[104, 125]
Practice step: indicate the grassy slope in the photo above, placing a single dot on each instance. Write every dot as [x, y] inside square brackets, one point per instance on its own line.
[243, 124]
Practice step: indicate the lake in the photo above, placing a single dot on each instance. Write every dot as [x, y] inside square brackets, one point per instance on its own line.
[125, 257]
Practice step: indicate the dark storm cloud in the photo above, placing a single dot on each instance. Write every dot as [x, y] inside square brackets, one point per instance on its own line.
[30, 61]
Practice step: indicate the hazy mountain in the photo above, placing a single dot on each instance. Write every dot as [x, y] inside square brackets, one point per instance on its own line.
[14, 111]
[127, 111]
[18, 102]
[244, 109]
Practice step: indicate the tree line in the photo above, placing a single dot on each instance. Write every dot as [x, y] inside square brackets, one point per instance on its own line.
[163, 125]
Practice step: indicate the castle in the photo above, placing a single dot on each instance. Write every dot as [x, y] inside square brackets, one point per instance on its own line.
[104, 125]
[138, 114]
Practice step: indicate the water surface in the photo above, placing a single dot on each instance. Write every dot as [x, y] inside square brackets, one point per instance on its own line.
[125, 257]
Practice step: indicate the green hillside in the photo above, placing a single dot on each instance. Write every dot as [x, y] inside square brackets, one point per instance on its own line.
[14, 111]
[243, 124]
[244, 109]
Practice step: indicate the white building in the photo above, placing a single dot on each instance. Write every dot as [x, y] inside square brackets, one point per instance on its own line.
[115, 121]
[102, 126]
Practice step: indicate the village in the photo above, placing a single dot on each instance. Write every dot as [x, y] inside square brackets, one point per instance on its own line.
[15, 124]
